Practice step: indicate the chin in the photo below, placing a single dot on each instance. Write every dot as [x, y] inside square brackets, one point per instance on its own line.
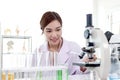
[55, 43]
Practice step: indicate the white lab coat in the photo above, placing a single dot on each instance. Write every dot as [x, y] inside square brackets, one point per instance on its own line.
[64, 57]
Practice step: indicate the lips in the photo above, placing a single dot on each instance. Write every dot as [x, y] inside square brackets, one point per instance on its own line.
[54, 40]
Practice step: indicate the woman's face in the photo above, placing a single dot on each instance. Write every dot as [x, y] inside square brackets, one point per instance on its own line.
[53, 32]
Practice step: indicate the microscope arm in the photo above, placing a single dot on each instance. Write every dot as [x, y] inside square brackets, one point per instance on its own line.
[103, 52]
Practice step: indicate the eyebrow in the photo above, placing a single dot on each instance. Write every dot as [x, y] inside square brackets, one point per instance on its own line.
[59, 27]
[56, 28]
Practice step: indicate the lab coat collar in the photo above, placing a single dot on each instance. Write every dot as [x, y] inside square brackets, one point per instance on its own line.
[63, 53]
[65, 48]
[64, 56]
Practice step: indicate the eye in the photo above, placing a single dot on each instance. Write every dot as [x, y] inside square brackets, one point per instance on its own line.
[48, 31]
[58, 29]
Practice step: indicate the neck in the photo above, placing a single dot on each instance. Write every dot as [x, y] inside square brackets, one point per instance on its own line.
[55, 48]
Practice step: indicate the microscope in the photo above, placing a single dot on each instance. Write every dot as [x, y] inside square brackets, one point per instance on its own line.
[115, 48]
[115, 55]
[96, 44]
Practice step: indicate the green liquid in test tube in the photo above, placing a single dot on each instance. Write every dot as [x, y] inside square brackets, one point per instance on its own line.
[39, 75]
[59, 74]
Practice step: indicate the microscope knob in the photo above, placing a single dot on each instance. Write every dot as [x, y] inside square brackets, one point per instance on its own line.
[87, 34]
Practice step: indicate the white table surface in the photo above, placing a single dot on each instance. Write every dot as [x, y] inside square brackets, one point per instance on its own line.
[81, 77]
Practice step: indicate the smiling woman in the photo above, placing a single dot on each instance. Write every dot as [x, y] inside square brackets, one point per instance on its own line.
[56, 50]
[51, 25]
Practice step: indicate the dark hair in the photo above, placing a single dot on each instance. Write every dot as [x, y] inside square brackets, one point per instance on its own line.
[48, 17]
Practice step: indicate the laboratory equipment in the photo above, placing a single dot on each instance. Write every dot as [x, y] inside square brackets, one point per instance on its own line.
[16, 63]
[114, 44]
[12, 54]
[96, 43]
[35, 73]
[108, 35]
[115, 48]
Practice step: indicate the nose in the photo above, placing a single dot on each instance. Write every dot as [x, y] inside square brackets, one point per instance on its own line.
[54, 34]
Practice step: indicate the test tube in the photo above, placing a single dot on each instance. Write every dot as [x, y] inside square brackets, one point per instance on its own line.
[10, 76]
[51, 57]
[3, 76]
[61, 74]
[55, 58]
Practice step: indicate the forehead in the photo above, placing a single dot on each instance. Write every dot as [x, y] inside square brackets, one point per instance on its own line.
[53, 24]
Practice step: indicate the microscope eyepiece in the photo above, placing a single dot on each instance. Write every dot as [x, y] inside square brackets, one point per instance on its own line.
[89, 20]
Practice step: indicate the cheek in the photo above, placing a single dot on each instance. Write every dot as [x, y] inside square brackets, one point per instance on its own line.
[46, 35]
[60, 33]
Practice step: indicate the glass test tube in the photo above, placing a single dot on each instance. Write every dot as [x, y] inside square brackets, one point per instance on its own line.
[61, 74]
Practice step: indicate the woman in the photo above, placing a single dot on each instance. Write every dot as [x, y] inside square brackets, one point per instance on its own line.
[51, 26]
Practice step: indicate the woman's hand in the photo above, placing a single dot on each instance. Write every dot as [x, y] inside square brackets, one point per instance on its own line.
[86, 59]
[83, 69]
